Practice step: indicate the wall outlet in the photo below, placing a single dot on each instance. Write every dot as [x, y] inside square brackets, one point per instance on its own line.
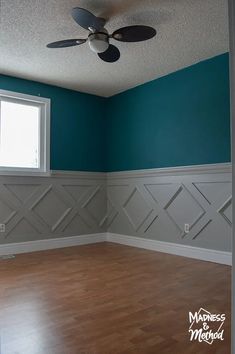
[186, 228]
[2, 228]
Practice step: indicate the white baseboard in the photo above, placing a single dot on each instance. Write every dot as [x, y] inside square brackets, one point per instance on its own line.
[173, 248]
[52, 243]
[165, 247]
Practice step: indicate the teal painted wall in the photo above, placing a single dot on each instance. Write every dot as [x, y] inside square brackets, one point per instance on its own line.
[179, 119]
[77, 125]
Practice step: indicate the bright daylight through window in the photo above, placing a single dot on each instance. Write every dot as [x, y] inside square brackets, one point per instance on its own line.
[24, 133]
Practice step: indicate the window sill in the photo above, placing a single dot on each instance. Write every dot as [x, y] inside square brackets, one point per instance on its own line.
[25, 173]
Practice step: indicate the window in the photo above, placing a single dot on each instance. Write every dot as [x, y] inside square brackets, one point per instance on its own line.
[24, 133]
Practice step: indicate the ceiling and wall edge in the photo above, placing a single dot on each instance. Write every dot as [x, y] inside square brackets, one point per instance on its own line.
[112, 95]
[188, 32]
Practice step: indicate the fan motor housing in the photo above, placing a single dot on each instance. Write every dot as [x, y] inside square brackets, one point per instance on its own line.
[98, 42]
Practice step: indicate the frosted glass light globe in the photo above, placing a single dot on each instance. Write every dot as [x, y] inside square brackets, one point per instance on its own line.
[98, 42]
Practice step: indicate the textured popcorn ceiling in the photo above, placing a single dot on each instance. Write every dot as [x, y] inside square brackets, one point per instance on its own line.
[188, 31]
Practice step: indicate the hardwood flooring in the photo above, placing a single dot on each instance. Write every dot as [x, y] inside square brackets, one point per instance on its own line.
[108, 299]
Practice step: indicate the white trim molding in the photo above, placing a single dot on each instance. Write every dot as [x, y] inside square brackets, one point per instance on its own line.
[173, 171]
[58, 174]
[52, 243]
[152, 172]
[173, 248]
[78, 174]
[153, 245]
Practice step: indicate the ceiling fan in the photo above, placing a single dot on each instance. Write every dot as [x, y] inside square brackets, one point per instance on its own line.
[98, 37]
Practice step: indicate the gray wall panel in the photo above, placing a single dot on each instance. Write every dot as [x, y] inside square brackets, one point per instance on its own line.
[35, 208]
[156, 205]
[153, 204]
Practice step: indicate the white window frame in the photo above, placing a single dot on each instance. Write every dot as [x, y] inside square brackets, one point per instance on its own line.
[44, 133]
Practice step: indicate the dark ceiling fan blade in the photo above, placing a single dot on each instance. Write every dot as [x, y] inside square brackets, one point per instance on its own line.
[66, 43]
[136, 33]
[86, 19]
[111, 55]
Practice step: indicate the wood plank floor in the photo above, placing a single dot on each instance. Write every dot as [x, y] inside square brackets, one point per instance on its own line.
[108, 299]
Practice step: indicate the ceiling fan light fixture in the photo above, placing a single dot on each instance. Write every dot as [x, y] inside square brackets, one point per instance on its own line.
[98, 42]
[98, 38]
